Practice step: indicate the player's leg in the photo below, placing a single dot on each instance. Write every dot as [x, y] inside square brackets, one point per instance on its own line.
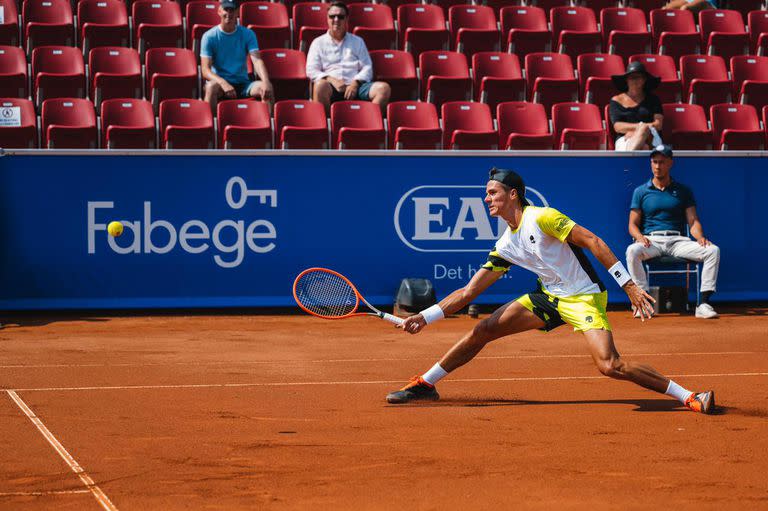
[636, 254]
[377, 93]
[509, 319]
[213, 92]
[610, 363]
[709, 256]
[322, 92]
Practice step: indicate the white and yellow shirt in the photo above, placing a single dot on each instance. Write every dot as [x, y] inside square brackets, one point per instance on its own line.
[538, 245]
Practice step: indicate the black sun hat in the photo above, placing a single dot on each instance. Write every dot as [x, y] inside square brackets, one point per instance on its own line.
[620, 81]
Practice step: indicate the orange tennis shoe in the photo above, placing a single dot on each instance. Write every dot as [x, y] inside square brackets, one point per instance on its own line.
[416, 390]
[704, 402]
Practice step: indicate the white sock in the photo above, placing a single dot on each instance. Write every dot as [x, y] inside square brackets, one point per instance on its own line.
[678, 392]
[434, 375]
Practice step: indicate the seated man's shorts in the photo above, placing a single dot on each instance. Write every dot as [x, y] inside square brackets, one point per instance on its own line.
[582, 312]
[363, 93]
[243, 90]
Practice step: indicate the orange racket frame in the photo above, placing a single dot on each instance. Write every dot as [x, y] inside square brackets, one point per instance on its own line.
[353, 312]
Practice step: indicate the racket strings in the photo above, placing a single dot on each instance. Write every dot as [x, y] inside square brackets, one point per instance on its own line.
[326, 294]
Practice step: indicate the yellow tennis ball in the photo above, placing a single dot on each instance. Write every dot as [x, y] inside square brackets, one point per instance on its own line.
[115, 229]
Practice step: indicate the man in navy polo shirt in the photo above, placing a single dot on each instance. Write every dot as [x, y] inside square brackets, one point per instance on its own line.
[660, 211]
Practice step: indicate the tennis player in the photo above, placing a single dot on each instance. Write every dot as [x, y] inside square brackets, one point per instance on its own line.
[548, 243]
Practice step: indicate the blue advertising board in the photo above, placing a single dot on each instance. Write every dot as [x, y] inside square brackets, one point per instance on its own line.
[214, 230]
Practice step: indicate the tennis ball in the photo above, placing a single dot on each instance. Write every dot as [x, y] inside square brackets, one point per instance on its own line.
[115, 229]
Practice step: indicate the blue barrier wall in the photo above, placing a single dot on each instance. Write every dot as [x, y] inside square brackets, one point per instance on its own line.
[210, 230]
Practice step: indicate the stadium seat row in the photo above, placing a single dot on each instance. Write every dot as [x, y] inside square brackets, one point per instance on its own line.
[301, 124]
[420, 27]
[495, 77]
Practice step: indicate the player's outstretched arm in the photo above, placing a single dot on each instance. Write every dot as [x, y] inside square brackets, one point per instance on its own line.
[457, 300]
[584, 238]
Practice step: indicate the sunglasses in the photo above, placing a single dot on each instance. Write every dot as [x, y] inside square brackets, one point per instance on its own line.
[337, 16]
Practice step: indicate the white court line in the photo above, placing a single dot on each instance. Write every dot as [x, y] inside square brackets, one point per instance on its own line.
[350, 360]
[100, 496]
[372, 382]
[41, 493]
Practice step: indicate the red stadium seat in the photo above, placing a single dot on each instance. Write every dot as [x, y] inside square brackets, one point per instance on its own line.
[115, 73]
[625, 31]
[595, 71]
[68, 123]
[578, 126]
[186, 124]
[674, 33]
[685, 127]
[523, 126]
[598, 5]
[413, 125]
[13, 72]
[128, 123]
[421, 28]
[398, 69]
[723, 33]
[750, 80]
[23, 136]
[244, 124]
[357, 125]
[526, 30]
[497, 78]
[736, 127]
[288, 73]
[647, 6]
[447, 4]
[550, 79]
[757, 21]
[374, 23]
[310, 19]
[663, 66]
[48, 23]
[171, 73]
[445, 77]
[9, 27]
[468, 125]
[156, 24]
[300, 124]
[498, 5]
[705, 80]
[102, 23]
[269, 21]
[548, 5]
[473, 29]
[59, 72]
[575, 31]
[201, 16]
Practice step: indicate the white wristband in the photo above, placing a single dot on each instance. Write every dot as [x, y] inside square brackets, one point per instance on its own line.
[619, 274]
[432, 314]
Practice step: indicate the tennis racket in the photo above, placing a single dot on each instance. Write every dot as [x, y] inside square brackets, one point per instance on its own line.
[330, 295]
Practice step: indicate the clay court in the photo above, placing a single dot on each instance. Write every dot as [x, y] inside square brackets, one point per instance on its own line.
[288, 412]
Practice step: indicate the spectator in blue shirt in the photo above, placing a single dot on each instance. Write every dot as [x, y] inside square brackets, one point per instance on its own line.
[223, 53]
[660, 211]
[695, 6]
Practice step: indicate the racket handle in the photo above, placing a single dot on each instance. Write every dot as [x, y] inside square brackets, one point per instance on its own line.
[391, 318]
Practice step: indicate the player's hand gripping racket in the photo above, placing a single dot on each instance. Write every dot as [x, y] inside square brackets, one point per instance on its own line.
[330, 295]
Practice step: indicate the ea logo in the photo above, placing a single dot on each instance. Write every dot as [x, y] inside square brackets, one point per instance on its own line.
[450, 218]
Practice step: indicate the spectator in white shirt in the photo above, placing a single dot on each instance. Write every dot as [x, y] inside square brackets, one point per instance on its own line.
[340, 67]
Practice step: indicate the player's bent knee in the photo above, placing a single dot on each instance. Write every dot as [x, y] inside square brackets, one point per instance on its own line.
[634, 251]
[612, 368]
[482, 332]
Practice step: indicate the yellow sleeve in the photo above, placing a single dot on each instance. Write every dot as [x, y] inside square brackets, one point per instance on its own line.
[496, 262]
[555, 224]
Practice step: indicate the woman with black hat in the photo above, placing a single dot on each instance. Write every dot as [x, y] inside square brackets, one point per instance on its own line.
[636, 113]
